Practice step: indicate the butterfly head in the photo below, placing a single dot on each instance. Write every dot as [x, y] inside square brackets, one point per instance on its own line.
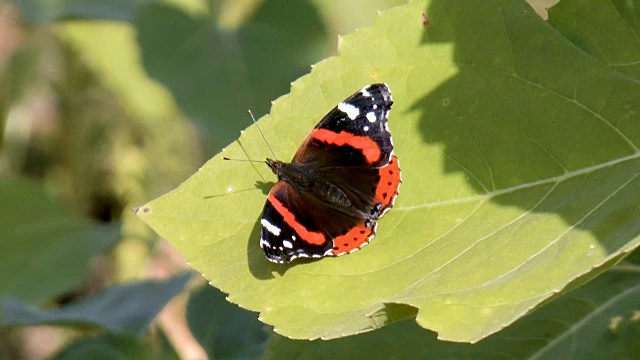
[276, 166]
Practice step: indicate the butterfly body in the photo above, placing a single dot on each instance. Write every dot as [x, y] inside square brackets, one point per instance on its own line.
[342, 179]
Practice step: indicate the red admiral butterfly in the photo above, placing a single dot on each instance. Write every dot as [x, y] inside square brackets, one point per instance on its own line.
[341, 180]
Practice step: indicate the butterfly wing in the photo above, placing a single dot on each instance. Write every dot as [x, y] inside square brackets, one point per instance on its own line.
[349, 157]
[360, 125]
[296, 224]
[352, 148]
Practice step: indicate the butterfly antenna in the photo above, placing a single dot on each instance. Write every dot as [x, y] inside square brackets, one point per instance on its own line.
[245, 160]
[263, 137]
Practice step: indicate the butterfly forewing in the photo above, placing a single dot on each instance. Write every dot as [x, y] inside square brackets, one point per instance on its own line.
[359, 122]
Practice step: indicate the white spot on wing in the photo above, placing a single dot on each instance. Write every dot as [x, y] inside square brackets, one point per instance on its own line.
[287, 244]
[365, 92]
[371, 116]
[264, 243]
[351, 111]
[293, 238]
[365, 128]
[270, 227]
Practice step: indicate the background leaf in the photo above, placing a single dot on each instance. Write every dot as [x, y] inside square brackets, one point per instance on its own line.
[45, 252]
[215, 72]
[121, 308]
[521, 176]
[37, 11]
[107, 346]
[227, 332]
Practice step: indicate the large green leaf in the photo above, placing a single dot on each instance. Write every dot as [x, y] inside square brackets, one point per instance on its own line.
[45, 252]
[521, 176]
[122, 308]
[598, 321]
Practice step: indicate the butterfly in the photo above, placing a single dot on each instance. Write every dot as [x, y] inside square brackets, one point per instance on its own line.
[342, 179]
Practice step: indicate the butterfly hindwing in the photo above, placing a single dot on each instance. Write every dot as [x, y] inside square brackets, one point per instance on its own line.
[286, 236]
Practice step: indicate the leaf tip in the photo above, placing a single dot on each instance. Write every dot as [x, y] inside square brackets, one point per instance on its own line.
[141, 210]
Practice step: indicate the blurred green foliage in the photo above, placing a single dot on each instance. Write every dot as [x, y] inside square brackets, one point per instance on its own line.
[144, 299]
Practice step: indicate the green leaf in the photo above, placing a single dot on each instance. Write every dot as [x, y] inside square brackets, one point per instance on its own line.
[38, 11]
[45, 252]
[224, 330]
[121, 308]
[104, 347]
[521, 176]
[217, 73]
[607, 30]
[598, 321]
[634, 257]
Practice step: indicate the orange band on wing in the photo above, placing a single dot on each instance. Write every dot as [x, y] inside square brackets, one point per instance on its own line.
[354, 239]
[369, 148]
[311, 237]
[389, 183]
